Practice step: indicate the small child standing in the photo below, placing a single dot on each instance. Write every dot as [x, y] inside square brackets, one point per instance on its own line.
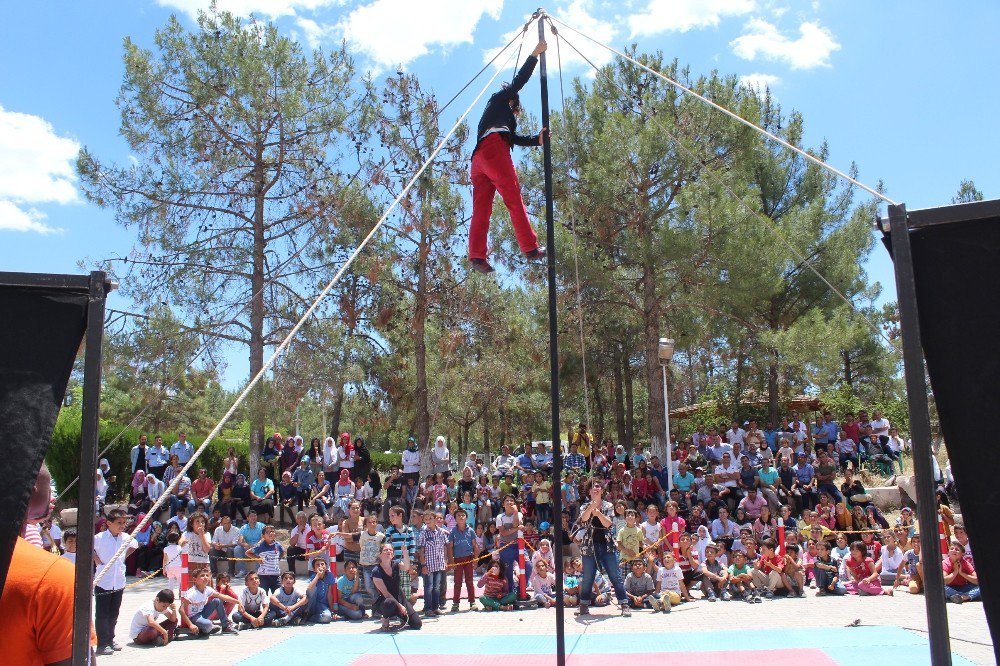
[630, 537]
[155, 624]
[270, 553]
[172, 561]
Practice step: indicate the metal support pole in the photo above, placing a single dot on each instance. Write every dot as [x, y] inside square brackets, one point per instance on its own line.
[90, 430]
[550, 240]
[666, 420]
[920, 432]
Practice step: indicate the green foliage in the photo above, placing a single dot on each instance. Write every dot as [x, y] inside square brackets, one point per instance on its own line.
[63, 456]
[383, 462]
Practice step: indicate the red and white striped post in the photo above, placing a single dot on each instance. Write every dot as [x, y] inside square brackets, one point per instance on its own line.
[333, 570]
[781, 537]
[185, 583]
[675, 540]
[522, 580]
[942, 534]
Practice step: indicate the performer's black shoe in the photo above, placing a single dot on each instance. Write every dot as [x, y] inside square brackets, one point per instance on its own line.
[481, 265]
[537, 253]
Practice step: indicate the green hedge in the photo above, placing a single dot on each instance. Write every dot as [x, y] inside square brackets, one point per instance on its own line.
[383, 462]
[63, 457]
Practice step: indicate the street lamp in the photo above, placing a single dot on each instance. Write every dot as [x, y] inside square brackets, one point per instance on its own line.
[665, 352]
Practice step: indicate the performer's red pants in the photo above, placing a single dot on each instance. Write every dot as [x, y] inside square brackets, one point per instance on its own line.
[492, 172]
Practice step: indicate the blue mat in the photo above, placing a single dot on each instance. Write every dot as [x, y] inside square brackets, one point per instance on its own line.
[849, 646]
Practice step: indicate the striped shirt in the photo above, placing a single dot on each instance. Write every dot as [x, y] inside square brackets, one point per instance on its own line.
[400, 537]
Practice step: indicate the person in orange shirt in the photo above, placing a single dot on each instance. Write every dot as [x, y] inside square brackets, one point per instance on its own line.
[37, 601]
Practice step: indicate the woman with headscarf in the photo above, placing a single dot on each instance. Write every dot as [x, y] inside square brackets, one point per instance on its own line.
[225, 503]
[345, 453]
[343, 493]
[270, 458]
[149, 557]
[138, 499]
[362, 461]
[241, 497]
[411, 461]
[289, 457]
[441, 457]
[100, 491]
[331, 461]
[315, 453]
[704, 539]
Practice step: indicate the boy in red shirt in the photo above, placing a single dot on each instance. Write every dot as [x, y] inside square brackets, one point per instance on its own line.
[961, 583]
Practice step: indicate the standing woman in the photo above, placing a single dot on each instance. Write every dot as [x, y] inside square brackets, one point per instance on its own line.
[362, 462]
[598, 544]
[269, 458]
[493, 169]
[230, 463]
[411, 461]
[440, 457]
[315, 454]
[345, 454]
[331, 463]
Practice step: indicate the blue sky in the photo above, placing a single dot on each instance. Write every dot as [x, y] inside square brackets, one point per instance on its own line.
[907, 90]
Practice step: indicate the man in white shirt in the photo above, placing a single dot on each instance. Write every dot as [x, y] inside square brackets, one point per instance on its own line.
[182, 449]
[138, 455]
[728, 473]
[504, 463]
[108, 588]
[411, 461]
[224, 543]
[736, 434]
[880, 425]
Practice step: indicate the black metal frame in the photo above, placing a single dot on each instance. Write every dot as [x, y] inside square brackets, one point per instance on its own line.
[550, 239]
[920, 424]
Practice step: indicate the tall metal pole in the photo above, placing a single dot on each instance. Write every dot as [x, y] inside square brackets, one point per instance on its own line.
[666, 420]
[920, 432]
[90, 432]
[550, 240]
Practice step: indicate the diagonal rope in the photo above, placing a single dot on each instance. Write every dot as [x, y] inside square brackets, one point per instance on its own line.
[295, 329]
[576, 252]
[290, 259]
[718, 107]
[741, 200]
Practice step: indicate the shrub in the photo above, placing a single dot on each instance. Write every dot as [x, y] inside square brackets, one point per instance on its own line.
[63, 457]
[383, 462]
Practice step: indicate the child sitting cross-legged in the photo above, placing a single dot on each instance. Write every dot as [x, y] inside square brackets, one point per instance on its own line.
[827, 571]
[352, 603]
[640, 588]
[198, 604]
[497, 594]
[290, 601]
[255, 611]
[571, 582]
[543, 582]
[155, 624]
[741, 578]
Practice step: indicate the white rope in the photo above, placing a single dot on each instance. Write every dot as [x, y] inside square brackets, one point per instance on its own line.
[732, 115]
[753, 212]
[295, 329]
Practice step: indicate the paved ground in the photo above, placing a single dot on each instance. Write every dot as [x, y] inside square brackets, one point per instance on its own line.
[970, 636]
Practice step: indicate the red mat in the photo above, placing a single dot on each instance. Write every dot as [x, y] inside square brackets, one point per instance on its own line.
[790, 657]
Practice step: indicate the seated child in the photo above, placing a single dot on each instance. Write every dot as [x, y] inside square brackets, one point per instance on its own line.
[670, 586]
[542, 583]
[352, 603]
[69, 543]
[571, 582]
[290, 601]
[255, 610]
[639, 587]
[714, 575]
[863, 576]
[827, 570]
[200, 601]
[497, 594]
[741, 578]
[319, 592]
[794, 571]
[155, 624]
[769, 573]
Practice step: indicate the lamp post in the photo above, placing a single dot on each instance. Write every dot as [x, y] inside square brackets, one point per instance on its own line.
[665, 352]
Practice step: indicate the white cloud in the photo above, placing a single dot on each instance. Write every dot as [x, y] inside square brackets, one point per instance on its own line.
[316, 34]
[579, 14]
[811, 49]
[13, 218]
[36, 166]
[759, 81]
[683, 15]
[396, 32]
[269, 8]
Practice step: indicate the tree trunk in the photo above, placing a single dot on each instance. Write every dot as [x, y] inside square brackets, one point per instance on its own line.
[599, 406]
[848, 372]
[741, 362]
[422, 425]
[772, 390]
[338, 406]
[629, 401]
[486, 432]
[619, 395]
[257, 412]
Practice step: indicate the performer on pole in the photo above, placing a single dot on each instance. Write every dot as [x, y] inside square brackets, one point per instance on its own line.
[493, 169]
